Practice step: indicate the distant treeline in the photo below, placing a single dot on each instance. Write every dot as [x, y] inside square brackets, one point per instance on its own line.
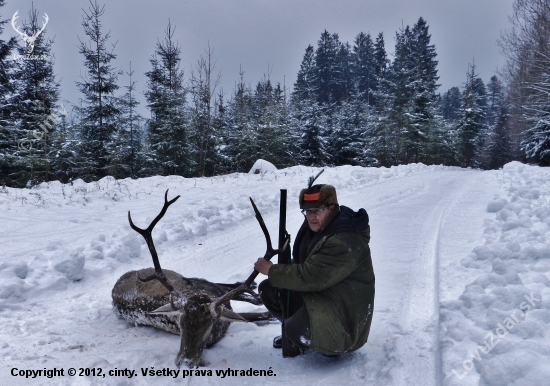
[350, 104]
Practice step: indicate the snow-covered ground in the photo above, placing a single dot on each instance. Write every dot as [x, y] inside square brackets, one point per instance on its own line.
[461, 258]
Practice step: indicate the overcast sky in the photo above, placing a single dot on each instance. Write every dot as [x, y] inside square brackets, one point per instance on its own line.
[261, 34]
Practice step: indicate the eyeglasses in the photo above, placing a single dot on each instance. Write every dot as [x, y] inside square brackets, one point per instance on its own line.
[315, 212]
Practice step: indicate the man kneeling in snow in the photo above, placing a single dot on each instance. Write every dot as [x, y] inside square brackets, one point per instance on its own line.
[331, 277]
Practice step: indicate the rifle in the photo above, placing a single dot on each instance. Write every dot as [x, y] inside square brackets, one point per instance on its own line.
[284, 258]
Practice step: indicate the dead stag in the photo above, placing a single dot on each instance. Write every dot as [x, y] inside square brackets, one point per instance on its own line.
[197, 309]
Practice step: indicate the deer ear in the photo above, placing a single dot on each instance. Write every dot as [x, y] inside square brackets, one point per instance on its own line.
[227, 315]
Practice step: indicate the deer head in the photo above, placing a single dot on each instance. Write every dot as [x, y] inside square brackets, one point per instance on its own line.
[196, 313]
[196, 319]
[29, 39]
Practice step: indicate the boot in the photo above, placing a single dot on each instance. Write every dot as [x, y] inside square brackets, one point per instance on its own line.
[289, 349]
[278, 342]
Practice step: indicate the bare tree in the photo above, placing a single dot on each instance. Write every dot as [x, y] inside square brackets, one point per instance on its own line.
[202, 88]
[526, 45]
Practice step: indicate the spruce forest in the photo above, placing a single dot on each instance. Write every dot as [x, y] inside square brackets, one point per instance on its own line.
[358, 103]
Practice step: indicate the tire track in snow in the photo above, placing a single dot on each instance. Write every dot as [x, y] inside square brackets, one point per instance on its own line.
[389, 204]
[419, 345]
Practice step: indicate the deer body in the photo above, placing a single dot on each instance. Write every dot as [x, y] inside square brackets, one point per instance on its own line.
[197, 309]
[134, 300]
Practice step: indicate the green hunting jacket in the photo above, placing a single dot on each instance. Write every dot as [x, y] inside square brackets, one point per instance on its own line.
[333, 270]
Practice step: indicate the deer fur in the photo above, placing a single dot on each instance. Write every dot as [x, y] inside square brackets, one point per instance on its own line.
[136, 302]
[197, 309]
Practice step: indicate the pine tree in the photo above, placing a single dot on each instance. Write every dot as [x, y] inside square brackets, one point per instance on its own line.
[439, 145]
[495, 99]
[379, 139]
[272, 123]
[481, 91]
[64, 148]
[220, 125]
[381, 64]
[331, 69]
[168, 133]
[497, 148]
[344, 74]
[8, 141]
[304, 88]
[500, 148]
[283, 108]
[6, 48]
[100, 111]
[380, 57]
[365, 68]
[127, 159]
[378, 134]
[349, 134]
[450, 104]
[310, 125]
[470, 126]
[424, 84]
[34, 101]
[396, 94]
[242, 148]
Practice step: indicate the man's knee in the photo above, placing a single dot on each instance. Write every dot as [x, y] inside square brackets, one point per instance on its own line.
[270, 297]
[264, 287]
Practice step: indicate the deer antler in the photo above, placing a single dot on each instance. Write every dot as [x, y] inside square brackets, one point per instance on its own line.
[23, 34]
[270, 252]
[215, 307]
[29, 39]
[229, 295]
[43, 27]
[219, 311]
[147, 235]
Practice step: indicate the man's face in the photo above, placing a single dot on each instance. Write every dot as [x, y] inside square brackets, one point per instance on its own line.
[317, 217]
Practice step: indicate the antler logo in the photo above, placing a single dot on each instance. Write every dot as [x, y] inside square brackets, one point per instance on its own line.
[29, 39]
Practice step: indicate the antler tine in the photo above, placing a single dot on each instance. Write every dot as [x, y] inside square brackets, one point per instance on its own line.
[277, 251]
[13, 19]
[174, 308]
[229, 295]
[262, 224]
[147, 235]
[270, 252]
[43, 25]
[163, 211]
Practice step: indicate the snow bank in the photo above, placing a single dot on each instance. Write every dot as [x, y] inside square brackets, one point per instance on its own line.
[496, 333]
[262, 167]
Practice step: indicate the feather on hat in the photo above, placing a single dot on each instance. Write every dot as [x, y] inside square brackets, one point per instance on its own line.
[317, 195]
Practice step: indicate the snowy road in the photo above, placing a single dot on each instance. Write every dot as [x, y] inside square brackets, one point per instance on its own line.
[61, 261]
[408, 247]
